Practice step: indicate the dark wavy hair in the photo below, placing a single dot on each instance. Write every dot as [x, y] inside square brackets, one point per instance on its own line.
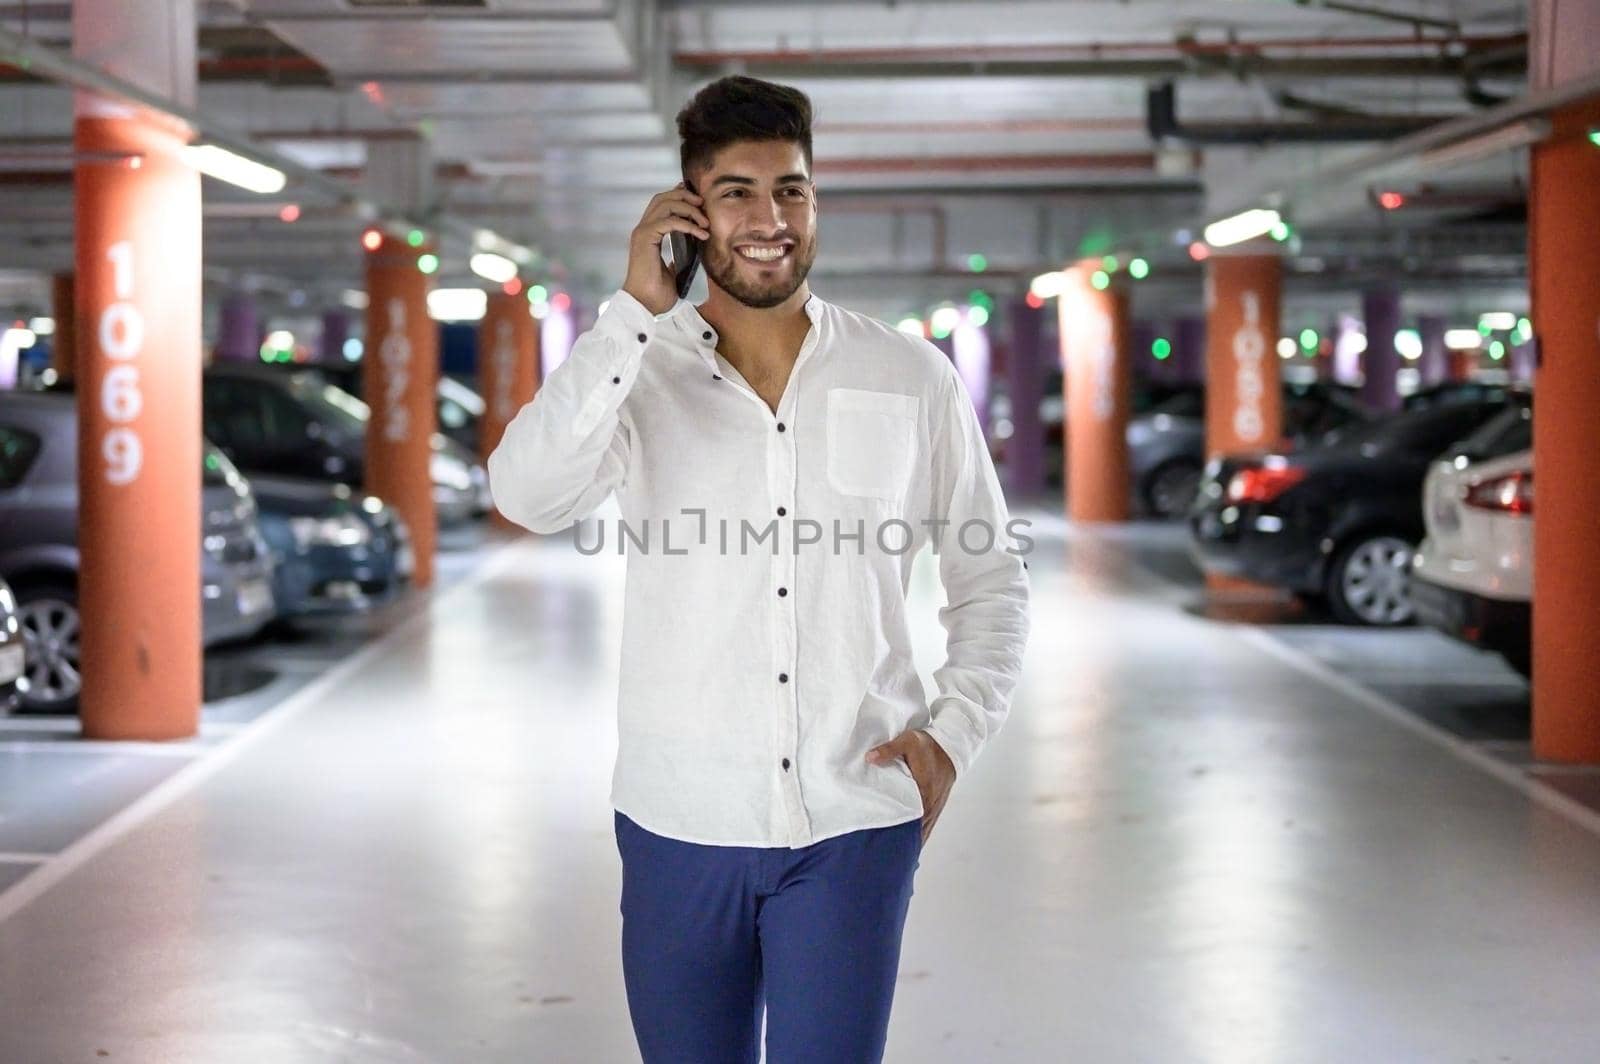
[738, 108]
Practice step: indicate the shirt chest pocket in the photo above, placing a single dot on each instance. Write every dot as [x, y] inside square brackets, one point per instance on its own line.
[871, 441]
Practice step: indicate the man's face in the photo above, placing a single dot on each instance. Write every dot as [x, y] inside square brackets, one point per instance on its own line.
[763, 211]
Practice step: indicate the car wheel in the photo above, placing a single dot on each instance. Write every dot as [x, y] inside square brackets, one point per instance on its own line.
[1370, 581]
[1170, 489]
[48, 614]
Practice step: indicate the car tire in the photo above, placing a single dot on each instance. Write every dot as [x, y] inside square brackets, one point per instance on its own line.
[1369, 582]
[48, 613]
[1169, 489]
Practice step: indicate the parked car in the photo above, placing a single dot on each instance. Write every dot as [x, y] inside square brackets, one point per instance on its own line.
[39, 545]
[1473, 575]
[1457, 392]
[335, 550]
[1166, 447]
[459, 407]
[296, 423]
[1337, 521]
[13, 651]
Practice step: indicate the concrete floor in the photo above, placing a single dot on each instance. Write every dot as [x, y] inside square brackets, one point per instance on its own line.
[1195, 840]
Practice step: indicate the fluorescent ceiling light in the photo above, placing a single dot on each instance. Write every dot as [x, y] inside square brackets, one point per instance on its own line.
[1498, 320]
[457, 304]
[492, 267]
[354, 298]
[43, 326]
[1506, 138]
[1246, 225]
[235, 169]
[1462, 339]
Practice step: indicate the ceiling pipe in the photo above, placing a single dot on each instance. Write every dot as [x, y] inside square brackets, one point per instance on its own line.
[1161, 121]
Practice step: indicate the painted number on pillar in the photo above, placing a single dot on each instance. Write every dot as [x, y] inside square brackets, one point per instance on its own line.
[121, 334]
[505, 362]
[1249, 349]
[395, 353]
[1103, 356]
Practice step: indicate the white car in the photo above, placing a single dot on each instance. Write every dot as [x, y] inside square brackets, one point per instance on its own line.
[1473, 575]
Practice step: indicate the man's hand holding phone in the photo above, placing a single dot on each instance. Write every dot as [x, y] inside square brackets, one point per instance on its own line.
[650, 280]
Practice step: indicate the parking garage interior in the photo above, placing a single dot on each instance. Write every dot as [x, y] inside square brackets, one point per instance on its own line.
[305, 746]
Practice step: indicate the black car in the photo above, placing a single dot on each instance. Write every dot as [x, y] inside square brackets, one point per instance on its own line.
[459, 408]
[297, 423]
[1338, 521]
[1167, 445]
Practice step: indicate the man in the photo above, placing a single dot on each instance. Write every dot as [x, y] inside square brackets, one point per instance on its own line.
[778, 768]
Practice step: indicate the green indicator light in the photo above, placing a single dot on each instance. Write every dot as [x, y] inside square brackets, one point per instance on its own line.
[1161, 349]
[1101, 280]
[979, 298]
[977, 316]
[1110, 263]
[977, 263]
[1281, 232]
[428, 263]
[415, 238]
[939, 332]
[538, 294]
[1497, 350]
[1594, 137]
[1308, 339]
[1139, 268]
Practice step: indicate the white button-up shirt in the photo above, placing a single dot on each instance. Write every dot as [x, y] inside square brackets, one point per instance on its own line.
[765, 646]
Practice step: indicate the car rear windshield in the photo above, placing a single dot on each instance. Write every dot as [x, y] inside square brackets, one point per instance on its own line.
[17, 452]
[330, 404]
[1430, 430]
[1508, 432]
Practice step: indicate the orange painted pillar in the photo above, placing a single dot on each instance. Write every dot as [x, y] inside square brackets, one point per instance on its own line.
[508, 370]
[1097, 385]
[400, 378]
[64, 344]
[1564, 241]
[1244, 400]
[1244, 397]
[138, 391]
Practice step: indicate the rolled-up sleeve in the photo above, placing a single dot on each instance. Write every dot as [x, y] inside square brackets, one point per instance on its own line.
[567, 448]
[985, 580]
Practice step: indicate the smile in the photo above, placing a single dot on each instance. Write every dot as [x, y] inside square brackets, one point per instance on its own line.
[759, 253]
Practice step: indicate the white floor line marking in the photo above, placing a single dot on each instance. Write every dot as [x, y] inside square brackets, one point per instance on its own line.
[186, 779]
[1516, 776]
[105, 747]
[24, 858]
[39, 724]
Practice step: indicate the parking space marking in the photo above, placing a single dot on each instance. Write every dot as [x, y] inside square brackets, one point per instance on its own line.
[24, 858]
[1471, 753]
[104, 747]
[1519, 776]
[186, 779]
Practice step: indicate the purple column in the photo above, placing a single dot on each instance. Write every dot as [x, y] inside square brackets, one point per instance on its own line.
[1434, 365]
[1189, 351]
[335, 331]
[1141, 334]
[969, 345]
[1027, 360]
[1523, 357]
[1380, 307]
[238, 330]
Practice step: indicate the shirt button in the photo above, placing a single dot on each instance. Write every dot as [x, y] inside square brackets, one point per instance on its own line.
[616, 380]
[786, 764]
[716, 376]
[782, 591]
[641, 338]
[780, 426]
[783, 677]
[705, 335]
[782, 511]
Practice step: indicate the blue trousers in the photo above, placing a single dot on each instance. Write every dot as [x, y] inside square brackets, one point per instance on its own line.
[711, 934]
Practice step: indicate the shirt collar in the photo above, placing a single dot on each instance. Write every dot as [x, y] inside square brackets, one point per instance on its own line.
[703, 336]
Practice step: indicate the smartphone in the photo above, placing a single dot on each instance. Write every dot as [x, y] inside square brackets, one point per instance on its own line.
[685, 250]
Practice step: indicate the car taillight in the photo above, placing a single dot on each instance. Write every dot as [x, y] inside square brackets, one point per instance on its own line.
[1510, 494]
[1263, 484]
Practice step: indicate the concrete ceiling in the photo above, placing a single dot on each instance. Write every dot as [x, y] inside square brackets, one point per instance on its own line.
[1020, 130]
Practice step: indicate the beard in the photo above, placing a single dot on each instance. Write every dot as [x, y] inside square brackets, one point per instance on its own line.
[733, 274]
